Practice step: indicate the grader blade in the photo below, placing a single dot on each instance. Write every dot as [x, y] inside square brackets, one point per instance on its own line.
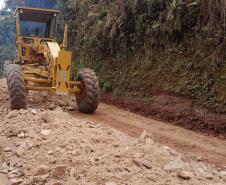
[63, 72]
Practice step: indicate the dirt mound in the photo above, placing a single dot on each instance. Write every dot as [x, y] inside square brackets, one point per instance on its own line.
[42, 146]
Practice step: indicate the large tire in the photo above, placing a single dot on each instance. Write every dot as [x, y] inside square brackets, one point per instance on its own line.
[6, 65]
[16, 87]
[88, 99]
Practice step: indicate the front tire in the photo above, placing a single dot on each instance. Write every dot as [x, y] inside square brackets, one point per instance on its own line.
[16, 87]
[88, 99]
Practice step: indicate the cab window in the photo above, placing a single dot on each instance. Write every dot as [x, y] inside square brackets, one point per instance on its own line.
[33, 29]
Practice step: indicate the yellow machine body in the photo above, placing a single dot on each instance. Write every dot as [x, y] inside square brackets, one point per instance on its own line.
[46, 65]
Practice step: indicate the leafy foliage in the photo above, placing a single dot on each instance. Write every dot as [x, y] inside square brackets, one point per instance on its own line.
[7, 39]
[145, 46]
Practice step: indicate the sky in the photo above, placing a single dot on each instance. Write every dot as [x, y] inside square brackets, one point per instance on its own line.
[1, 3]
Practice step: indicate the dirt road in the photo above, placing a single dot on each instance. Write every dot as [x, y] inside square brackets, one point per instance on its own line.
[194, 145]
[207, 148]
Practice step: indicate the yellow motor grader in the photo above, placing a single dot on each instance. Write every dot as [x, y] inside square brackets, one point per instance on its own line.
[44, 65]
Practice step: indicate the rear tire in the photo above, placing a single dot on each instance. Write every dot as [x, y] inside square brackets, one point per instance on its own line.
[16, 87]
[88, 99]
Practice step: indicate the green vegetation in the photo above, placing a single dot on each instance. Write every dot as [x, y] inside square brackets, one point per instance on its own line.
[7, 38]
[142, 47]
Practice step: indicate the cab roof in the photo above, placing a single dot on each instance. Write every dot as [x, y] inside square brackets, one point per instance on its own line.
[35, 10]
[35, 14]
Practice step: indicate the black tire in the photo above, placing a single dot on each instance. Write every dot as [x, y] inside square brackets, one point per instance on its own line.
[6, 65]
[16, 87]
[88, 99]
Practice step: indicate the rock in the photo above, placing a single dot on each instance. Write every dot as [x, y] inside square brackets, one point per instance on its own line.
[12, 131]
[110, 183]
[149, 141]
[22, 111]
[21, 135]
[71, 108]
[62, 102]
[147, 164]
[59, 172]
[88, 149]
[58, 109]
[28, 181]
[92, 126]
[199, 158]
[145, 135]
[53, 161]
[45, 117]
[50, 152]
[57, 183]
[203, 171]
[139, 162]
[223, 173]
[73, 99]
[4, 168]
[177, 155]
[12, 114]
[7, 149]
[57, 149]
[42, 179]
[52, 106]
[207, 175]
[40, 170]
[45, 132]
[152, 177]
[221, 136]
[14, 174]
[34, 112]
[16, 181]
[3, 179]
[185, 174]
[14, 161]
[20, 151]
[175, 165]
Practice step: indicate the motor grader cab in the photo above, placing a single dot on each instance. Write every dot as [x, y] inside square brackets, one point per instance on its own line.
[44, 65]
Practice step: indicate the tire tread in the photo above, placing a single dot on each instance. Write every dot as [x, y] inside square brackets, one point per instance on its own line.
[16, 87]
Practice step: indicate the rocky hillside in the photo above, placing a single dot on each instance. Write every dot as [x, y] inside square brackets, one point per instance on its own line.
[140, 48]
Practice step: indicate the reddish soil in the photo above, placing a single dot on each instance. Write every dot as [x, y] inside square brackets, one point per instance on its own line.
[207, 148]
[174, 110]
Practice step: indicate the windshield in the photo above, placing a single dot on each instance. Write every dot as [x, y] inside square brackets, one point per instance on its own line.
[37, 29]
[37, 25]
